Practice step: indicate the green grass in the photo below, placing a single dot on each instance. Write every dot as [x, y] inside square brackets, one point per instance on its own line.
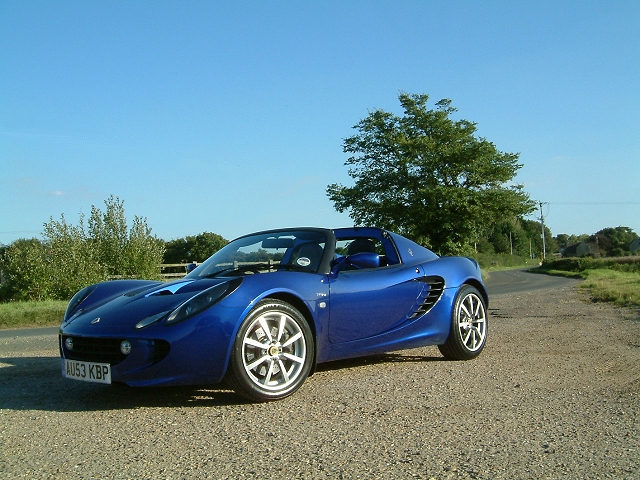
[620, 288]
[46, 313]
[614, 280]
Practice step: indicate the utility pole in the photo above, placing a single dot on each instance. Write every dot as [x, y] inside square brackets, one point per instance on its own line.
[544, 245]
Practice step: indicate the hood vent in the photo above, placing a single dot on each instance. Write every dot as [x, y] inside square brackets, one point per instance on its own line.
[169, 289]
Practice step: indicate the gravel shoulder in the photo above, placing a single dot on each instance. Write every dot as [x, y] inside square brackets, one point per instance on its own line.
[555, 394]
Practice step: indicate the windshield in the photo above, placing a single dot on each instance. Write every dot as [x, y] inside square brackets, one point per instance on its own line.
[267, 252]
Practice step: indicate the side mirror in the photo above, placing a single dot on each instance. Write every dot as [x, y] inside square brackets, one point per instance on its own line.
[191, 267]
[356, 261]
[364, 260]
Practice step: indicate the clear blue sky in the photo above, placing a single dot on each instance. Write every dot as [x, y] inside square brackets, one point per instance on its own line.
[229, 116]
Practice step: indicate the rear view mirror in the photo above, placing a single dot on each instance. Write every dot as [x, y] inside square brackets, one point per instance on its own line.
[277, 243]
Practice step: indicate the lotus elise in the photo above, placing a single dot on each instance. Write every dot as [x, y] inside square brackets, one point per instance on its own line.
[263, 311]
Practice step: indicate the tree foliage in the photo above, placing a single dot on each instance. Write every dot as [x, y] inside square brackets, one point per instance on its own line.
[193, 248]
[73, 256]
[428, 177]
[614, 242]
[519, 236]
[23, 271]
[611, 242]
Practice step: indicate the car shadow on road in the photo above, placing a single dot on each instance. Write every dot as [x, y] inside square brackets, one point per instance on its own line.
[378, 359]
[36, 383]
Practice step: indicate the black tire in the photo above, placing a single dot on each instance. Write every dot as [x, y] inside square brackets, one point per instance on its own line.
[272, 353]
[469, 325]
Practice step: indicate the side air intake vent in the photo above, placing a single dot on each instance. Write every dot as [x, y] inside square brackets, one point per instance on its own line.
[429, 296]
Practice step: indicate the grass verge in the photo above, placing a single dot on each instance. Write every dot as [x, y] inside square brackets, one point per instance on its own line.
[620, 288]
[46, 313]
[606, 280]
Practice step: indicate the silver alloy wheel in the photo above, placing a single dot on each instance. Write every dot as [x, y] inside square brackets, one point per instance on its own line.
[274, 351]
[472, 321]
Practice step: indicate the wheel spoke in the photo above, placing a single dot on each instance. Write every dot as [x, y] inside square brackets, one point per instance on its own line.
[254, 364]
[465, 340]
[292, 339]
[265, 328]
[293, 358]
[478, 310]
[267, 378]
[283, 323]
[478, 333]
[285, 374]
[254, 343]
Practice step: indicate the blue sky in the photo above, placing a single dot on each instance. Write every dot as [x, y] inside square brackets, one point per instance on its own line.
[229, 116]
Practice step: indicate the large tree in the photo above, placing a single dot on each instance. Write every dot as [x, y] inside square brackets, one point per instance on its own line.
[193, 248]
[428, 177]
[614, 242]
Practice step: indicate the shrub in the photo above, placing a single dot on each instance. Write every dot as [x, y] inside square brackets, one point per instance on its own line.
[73, 256]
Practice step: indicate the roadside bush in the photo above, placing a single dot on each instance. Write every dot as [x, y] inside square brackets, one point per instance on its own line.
[581, 264]
[24, 274]
[498, 261]
[73, 256]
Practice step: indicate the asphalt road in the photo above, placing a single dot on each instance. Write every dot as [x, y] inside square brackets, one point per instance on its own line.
[515, 281]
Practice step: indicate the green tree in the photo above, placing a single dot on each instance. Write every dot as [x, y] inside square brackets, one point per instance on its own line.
[122, 251]
[193, 248]
[71, 259]
[108, 233]
[143, 252]
[24, 276]
[563, 239]
[428, 177]
[614, 242]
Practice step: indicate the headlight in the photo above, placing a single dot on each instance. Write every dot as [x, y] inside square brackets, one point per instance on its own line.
[202, 301]
[77, 299]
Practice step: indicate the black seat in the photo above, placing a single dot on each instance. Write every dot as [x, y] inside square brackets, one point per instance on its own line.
[307, 255]
[360, 245]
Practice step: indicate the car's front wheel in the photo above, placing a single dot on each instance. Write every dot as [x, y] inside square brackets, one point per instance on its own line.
[468, 333]
[272, 353]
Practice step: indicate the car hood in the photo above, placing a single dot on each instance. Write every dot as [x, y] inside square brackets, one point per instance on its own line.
[122, 311]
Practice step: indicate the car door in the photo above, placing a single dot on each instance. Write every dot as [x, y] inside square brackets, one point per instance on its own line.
[369, 302]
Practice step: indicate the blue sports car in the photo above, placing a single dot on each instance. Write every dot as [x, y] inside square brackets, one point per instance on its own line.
[263, 311]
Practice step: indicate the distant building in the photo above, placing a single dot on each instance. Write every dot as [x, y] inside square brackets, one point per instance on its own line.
[582, 249]
[634, 247]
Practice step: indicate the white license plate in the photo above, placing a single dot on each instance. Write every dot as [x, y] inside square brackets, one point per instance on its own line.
[86, 371]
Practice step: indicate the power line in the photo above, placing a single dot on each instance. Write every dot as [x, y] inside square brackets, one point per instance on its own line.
[593, 203]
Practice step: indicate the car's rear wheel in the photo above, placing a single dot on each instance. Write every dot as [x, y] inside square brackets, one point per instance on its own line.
[468, 333]
[272, 353]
